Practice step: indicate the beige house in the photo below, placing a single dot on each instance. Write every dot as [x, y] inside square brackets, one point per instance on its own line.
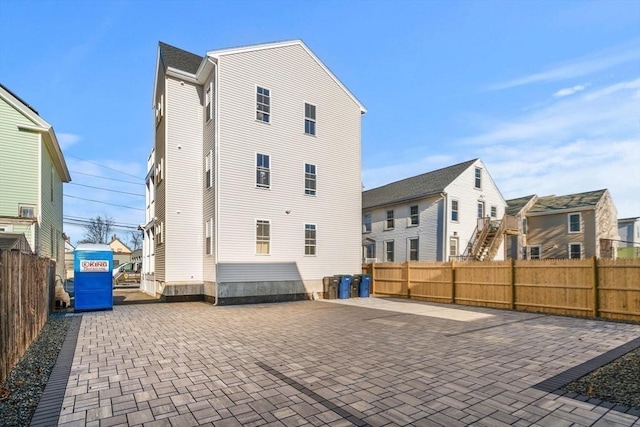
[573, 226]
[121, 252]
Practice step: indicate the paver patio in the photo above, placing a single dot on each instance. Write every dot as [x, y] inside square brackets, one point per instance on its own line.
[342, 362]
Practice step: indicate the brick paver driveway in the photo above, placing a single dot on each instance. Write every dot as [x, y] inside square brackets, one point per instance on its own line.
[329, 363]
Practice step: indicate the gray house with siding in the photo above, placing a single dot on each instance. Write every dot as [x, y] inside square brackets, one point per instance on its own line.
[253, 191]
[32, 171]
[434, 216]
[576, 226]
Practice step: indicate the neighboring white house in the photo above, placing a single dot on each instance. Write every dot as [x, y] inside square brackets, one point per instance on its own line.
[256, 175]
[431, 217]
[629, 235]
[32, 171]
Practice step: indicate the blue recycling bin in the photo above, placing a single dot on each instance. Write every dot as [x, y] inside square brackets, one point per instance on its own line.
[363, 287]
[344, 286]
[92, 270]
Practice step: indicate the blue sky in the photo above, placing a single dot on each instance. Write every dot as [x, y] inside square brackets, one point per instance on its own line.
[546, 93]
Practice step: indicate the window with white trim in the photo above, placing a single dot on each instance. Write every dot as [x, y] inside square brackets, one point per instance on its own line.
[494, 212]
[209, 104]
[388, 251]
[480, 209]
[478, 178]
[309, 239]
[414, 217]
[575, 250]
[370, 250]
[159, 229]
[207, 233]
[390, 222]
[574, 222]
[27, 211]
[413, 249]
[263, 237]
[366, 223]
[263, 104]
[309, 119]
[454, 210]
[159, 109]
[454, 244]
[208, 163]
[535, 252]
[310, 178]
[263, 171]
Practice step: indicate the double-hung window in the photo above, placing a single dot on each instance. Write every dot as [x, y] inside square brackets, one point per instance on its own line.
[575, 251]
[390, 222]
[310, 179]
[478, 178]
[207, 233]
[454, 243]
[414, 218]
[388, 251]
[494, 211]
[263, 237]
[366, 224]
[534, 252]
[208, 162]
[574, 223]
[309, 239]
[263, 104]
[309, 119]
[263, 171]
[413, 249]
[454, 210]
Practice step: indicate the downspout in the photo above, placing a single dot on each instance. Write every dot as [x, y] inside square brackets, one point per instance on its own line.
[216, 176]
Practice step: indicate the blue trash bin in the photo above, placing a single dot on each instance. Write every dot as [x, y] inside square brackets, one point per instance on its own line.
[93, 287]
[344, 287]
[365, 284]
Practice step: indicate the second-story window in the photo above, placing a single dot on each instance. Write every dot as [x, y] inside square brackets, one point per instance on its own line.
[478, 178]
[309, 119]
[454, 210]
[574, 223]
[414, 218]
[390, 222]
[263, 104]
[366, 224]
[310, 179]
[207, 170]
[263, 171]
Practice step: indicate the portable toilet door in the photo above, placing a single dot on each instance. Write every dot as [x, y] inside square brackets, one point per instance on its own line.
[92, 267]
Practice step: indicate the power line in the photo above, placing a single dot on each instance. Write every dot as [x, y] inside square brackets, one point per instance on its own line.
[90, 220]
[110, 179]
[107, 189]
[103, 166]
[104, 203]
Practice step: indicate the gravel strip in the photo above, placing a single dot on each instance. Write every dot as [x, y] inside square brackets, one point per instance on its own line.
[21, 392]
[618, 382]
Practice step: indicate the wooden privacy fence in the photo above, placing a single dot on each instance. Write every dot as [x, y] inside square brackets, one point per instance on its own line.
[26, 294]
[593, 287]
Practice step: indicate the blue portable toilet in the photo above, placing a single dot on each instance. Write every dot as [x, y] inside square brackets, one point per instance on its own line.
[92, 270]
[363, 287]
[344, 286]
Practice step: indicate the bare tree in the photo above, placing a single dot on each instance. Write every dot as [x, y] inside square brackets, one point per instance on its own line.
[135, 239]
[98, 230]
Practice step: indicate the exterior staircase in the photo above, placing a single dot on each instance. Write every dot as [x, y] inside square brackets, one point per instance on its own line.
[488, 236]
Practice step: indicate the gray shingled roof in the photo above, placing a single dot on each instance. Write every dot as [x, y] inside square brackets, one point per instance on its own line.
[514, 206]
[415, 187]
[179, 59]
[580, 200]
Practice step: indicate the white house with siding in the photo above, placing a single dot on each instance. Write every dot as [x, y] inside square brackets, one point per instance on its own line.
[256, 175]
[32, 171]
[430, 217]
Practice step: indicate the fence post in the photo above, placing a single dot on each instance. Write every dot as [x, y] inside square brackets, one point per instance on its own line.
[596, 297]
[513, 284]
[408, 282]
[373, 278]
[453, 282]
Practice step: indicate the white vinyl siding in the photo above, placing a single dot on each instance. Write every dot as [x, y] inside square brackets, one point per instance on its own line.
[292, 76]
[183, 181]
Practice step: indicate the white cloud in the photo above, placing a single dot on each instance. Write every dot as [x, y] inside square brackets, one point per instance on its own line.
[576, 68]
[66, 140]
[569, 91]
